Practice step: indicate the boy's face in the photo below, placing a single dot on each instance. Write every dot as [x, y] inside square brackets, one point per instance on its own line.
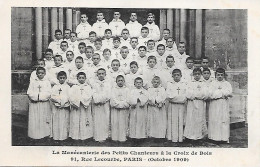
[156, 82]
[144, 33]
[161, 50]
[73, 37]
[133, 68]
[67, 34]
[58, 35]
[170, 42]
[64, 46]
[92, 37]
[69, 56]
[205, 63]
[116, 15]
[82, 49]
[41, 64]
[133, 17]
[120, 81]
[101, 74]
[181, 48]
[89, 53]
[108, 34]
[150, 45]
[95, 59]
[150, 19]
[206, 75]
[197, 75]
[57, 61]
[48, 56]
[138, 83]
[62, 79]
[166, 34]
[125, 34]
[107, 55]
[176, 76]
[98, 45]
[100, 16]
[40, 74]
[189, 64]
[151, 63]
[83, 18]
[81, 79]
[170, 62]
[79, 63]
[141, 52]
[220, 76]
[116, 43]
[124, 53]
[134, 43]
[115, 65]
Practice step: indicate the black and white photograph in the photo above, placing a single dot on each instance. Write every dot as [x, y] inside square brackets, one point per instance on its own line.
[129, 77]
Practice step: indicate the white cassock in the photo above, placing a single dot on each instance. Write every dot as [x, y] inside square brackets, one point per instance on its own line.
[49, 64]
[99, 27]
[163, 41]
[141, 61]
[125, 64]
[176, 95]
[187, 74]
[208, 84]
[212, 73]
[125, 42]
[151, 52]
[88, 62]
[72, 80]
[219, 112]
[113, 74]
[119, 113]
[55, 45]
[115, 53]
[69, 66]
[62, 53]
[149, 73]
[54, 72]
[171, 51]
[107, 43]
[180, 60]
[39, 119]
[34, 76]
[154, 31]
[89, 43]
[157, 120]
[161, 60]
[60, 111]
[101, 108]
[143, 41]
[134, 28]
[133, 53]
[81, 122]
[196, 127]
[92, 70]
[138, 113]
[116, 27]
[83, 30]
[74, 46]
[106, 63]
[130, 78]
[166, 75]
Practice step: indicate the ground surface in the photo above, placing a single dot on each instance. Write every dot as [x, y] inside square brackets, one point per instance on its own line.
[238, 139]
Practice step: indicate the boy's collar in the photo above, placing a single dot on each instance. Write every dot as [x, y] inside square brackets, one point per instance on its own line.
[102, 21]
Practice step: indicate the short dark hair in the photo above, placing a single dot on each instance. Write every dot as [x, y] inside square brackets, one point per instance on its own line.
[61, 73]
[134, 63]
[58, 30]
[196, 70]
[176, 71]
[81, 73]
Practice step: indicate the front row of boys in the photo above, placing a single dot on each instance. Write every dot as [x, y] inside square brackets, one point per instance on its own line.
[87, 110]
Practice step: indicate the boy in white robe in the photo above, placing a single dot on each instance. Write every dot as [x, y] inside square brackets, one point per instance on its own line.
[60, 108]
[134, 26]
[125, 40]
[56, 69]
[181, 57]
[166, 35]
[81, 122]
[89, 54]
[171, 47]
[73, 44]
[100, 26]
[79, 67]
[144, 38]
[157, 120]
[100, 108]
[115, 51]
[170, 66]
[116, 25]
[219, 112]
[96, 64]
[195, 126]
[133, 50]
[48, 58]
[98, 46]
[161, 56]
[187, 72]
[81, 50]
[63, 49]
[134, 73]
[138, 110]
[119, 110]
[176, 95]
[208, 81]
[108, 40]
[91, 40]
[114, 71]
[55, 45]
[151, 51]
[154, 31]
[150, 71]
[106, 60]
[141, 58]
[125, 59]
[83, 28]
[70, 62]
[205, 64]
[40, 63]
[39, 116]
[67, 33]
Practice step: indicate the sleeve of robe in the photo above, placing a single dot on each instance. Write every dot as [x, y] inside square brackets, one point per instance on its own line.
[173, 95]
[124, 103]
[215, 93]
[161, 96]
[143, 98]
[45, 94]
[86, 96]
[113, 100]
[31, 92]
[190, 91]
[151, 97]
[55, 97]
[156, 33]
[133, 97]
[227, 89]
[74, 97]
